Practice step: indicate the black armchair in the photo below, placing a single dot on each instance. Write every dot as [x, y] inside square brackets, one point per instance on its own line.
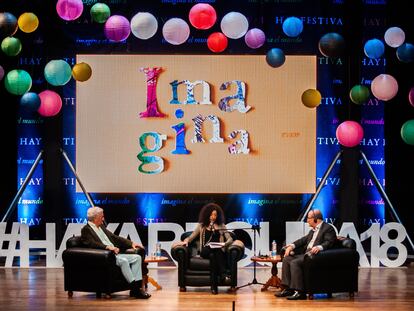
[194, 270]
[334, 270]
[92, 270]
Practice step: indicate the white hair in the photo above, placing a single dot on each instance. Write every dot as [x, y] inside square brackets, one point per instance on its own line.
[93, 212]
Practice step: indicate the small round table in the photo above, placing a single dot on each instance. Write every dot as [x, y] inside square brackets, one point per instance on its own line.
[146, 278]
[274, 279]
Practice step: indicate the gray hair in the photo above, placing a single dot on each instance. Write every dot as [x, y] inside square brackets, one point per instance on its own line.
[93, 212]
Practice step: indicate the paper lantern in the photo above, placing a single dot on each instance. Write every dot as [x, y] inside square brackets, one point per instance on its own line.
[331, 45]
[410, 94]
[1, 72]
[30, 101]
[28, 22]
[8, 24]
[50, 103]
[384, 87]
[11, 46]
[117, 28]
[144, 25]
[405, 53]
[217, 42]
[100, 12]
[176, 31]
[202, 16]
[394, 37]
[234, 25]
[359, 94]
[81, 72]
[292, 26]
[57, 72]
[275, 57]
[18, 82]
[407, 132]
[374, 48]
[255, 38]
[311, 98]
[69, 10]
[349, 133]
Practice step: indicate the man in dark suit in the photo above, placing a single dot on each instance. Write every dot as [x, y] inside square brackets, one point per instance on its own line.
[321, 237]
[95, 235]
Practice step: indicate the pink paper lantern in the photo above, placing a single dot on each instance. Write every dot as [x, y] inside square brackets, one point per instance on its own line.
[117, 28]
[50, 103]
[69, 10]
[217, 42]
[255, 38]
[202, 16]
[349, 133]
[410, 96]
[384, 87]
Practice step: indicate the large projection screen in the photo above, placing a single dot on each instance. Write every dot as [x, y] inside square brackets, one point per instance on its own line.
[282, 131]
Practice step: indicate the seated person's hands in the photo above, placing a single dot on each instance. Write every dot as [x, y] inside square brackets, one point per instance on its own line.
[314, 250]
[181, 243]
[288, 250]
[137, 246]
[113, 249]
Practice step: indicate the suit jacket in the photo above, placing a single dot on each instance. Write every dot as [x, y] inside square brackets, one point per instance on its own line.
[91, 239]
[326, 238]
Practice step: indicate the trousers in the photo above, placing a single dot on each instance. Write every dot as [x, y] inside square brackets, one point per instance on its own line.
[292, 272]
[130, 265]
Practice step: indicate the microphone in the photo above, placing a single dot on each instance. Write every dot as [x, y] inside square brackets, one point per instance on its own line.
[212, 226]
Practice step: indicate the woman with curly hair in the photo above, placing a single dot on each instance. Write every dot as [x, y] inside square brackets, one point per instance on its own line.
[211, 228]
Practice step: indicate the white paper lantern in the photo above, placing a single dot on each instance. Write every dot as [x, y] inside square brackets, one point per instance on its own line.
[234, 25]
[144, 25]
[394, 37]
[176, 31]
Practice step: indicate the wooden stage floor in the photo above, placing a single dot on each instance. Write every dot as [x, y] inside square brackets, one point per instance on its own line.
[42, 289]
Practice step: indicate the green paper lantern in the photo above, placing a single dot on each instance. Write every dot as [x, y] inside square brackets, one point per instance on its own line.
[57, 72]
[18, 82]
[100, 12]
[407, 132]
[359, 94]
[11, 46]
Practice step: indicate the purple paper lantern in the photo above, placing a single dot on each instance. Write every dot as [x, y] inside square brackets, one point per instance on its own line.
[255, 38]
[69, 10]
[410, 96]
[117, 28]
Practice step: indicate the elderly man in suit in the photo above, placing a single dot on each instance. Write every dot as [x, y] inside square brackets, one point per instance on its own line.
[321, 237]
[95, 235]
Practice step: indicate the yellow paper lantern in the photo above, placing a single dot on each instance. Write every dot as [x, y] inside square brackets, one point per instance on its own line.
[311, 98]
[28, 22]
[81, 72]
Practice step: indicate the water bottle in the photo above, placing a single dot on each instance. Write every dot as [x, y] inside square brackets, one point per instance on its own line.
[274, 249]
[158, 250]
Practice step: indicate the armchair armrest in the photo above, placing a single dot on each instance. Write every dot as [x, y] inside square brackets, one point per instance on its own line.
[88, 257]
[236, 250]
[342, 257]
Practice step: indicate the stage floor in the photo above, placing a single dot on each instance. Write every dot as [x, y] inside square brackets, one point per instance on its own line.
[42, 289]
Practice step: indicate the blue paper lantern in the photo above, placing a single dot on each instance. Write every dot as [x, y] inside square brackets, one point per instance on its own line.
[374, 48]
[8, 24]
[292, 26]
[405, 53]
[30, 101]
[57, 72]
[275, 57]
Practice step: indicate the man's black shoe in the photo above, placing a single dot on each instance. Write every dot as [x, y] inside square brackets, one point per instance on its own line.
[297, 296]
[139, 294]
[284, 293]
[214, 290]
